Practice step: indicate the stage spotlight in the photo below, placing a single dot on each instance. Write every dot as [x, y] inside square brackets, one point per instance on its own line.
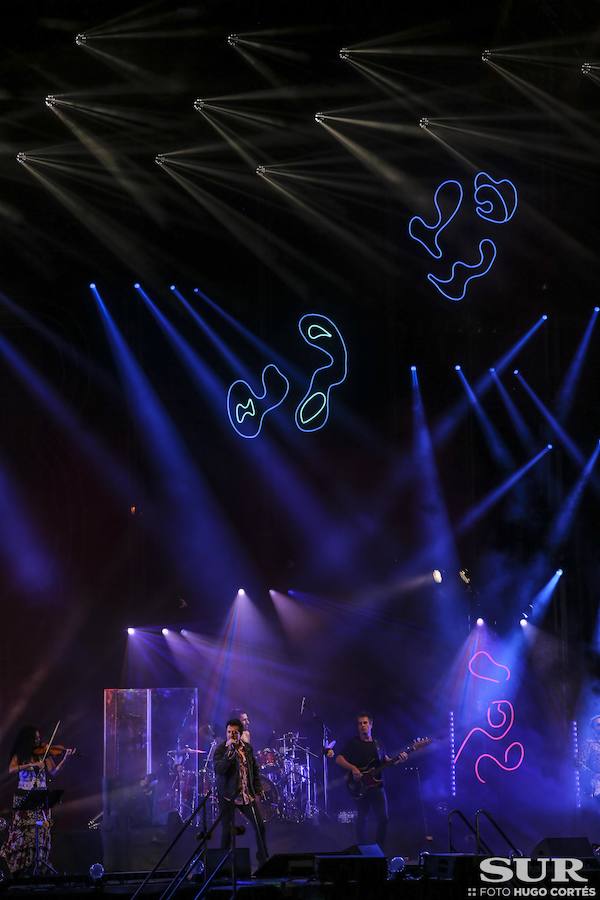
[437, 576]
[523, 622]
[81, 39]
[159, 159]
[423, 122]
[586, 68]
[183, 632]
[485, 55]
[199, 104]
[413, 368]
[130, 630]
[596, 308]
[457, 368]
[544, 317]
[136, 285]
[549, 446]
[396, 865]
[479, 621]
[21, 157]
[93, 285]
[344, 53]
[165, 631]
[515, 371]
[492, 371]
[465, 576]
[320, 118]
[241, 592]
[559, 571]
[50, 100]
[233, 40]
[260, 170]
[96, 872]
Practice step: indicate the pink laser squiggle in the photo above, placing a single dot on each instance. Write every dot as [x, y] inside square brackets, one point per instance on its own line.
[497, 737]
[491, 658]
[505, 768]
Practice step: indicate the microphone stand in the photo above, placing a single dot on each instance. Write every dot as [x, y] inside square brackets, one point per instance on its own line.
[325, 737]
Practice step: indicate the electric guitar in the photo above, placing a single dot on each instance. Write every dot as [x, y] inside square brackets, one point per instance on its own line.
[371, 776]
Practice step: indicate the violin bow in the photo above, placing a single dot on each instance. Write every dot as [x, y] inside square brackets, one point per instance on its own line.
[49, 744]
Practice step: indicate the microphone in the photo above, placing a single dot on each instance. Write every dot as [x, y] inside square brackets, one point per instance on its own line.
[302, 705]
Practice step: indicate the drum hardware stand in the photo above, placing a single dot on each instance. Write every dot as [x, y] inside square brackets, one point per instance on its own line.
[187, 867]
[325, 741]
[183, 828]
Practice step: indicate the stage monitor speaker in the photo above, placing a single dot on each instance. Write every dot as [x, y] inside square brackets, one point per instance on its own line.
[363, 850]
[450, 866]
[575, 847]
[370, 872]
[288, 865]
[242, 863]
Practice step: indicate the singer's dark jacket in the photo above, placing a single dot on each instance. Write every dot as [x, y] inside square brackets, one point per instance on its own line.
[227, 771]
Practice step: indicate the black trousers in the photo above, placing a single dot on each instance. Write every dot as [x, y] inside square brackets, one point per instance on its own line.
[375, 801]
[252, 813]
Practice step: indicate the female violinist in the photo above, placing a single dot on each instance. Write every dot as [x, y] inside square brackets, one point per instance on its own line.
[33, 763]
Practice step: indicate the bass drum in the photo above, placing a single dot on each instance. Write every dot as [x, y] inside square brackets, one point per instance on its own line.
[269, 761]
[269, 807]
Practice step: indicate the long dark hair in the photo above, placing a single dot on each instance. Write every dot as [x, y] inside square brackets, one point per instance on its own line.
[24, 743]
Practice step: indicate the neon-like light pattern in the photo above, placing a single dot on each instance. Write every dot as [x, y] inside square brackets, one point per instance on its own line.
[455, 286]
[494, 663]
[500, 718]
[452, 756]
[489, 196]
[430, 233]
[575, 736]
[319, 331]
[503, 765]
[247, 409]
[510, 718]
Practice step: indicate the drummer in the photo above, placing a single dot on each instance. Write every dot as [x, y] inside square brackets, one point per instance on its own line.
[245, 720]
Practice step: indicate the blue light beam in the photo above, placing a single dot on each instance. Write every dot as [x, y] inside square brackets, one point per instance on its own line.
[567, 390]
[476, 513]
[566, 514]
[495, 443]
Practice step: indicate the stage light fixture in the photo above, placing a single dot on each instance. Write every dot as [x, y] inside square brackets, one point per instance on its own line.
[233, 40]
[136, 285]
[319, 117]
[437, 576]
[21, 157]
[260, 170]
[596, 308]
[396, 865]
[549, 446]
[492, 371]
[423, 122]
[457, 368]
[479, 621]
[515, 371]
[183, 632]
[544, 317]
[465, 576]
[50, 100]
[559, 572]
[523, 622]
[344, 53]
[165, 631]
[159, 159]
[93, 285]
[241, 592]
[130, 631]
[81, 39]
[199, 104]
[96, 872]
[586, 68]
[485, 55]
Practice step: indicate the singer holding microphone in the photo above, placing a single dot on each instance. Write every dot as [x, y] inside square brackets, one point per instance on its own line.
[238, 786]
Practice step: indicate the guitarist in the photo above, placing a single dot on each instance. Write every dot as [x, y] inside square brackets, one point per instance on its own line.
[361, 753]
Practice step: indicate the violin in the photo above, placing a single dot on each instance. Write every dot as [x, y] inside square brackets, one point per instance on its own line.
[53, 750]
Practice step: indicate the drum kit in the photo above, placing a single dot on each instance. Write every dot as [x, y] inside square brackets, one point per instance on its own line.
[287, 777]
